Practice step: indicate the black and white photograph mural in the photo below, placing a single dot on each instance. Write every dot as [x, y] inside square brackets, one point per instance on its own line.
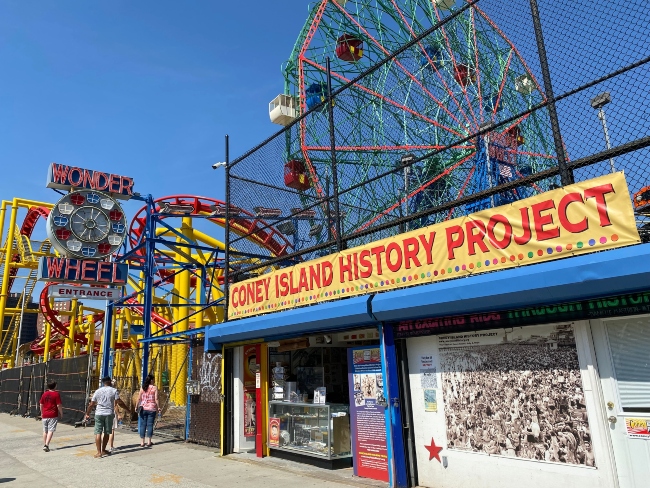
[516, 393]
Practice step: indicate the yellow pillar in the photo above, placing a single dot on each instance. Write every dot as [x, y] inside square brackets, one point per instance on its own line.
[4, 289]
[183, 285]
[199, 294]
[118, 354]
[90, 336]
[69, 350]
[48, 335]
[81, 328]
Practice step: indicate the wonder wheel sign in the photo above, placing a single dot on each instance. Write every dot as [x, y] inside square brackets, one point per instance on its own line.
[86, 227]
[86, 224]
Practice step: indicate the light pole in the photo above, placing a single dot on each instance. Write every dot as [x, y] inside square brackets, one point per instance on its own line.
[598, 102]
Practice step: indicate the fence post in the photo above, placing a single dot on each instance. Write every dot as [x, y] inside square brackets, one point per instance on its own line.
[566, 175]
[226, 271]
[188, 417]
[335, 179]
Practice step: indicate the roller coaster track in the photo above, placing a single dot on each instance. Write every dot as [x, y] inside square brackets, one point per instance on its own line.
[242, 223]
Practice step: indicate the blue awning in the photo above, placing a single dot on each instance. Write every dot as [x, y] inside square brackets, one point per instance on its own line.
[606, 273]
[339, 314]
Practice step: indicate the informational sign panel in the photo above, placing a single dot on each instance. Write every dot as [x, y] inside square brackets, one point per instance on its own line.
[85, 292]
[368, 413]
[590, 216]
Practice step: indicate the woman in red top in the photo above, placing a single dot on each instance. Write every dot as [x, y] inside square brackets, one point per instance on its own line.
[51, 410]
[148, 400]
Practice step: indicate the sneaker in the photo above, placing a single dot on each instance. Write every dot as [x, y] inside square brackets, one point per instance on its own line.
[46, 448]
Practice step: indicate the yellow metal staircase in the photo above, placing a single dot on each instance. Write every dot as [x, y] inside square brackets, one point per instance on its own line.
[28, 260]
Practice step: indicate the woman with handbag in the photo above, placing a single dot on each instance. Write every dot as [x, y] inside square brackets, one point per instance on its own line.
[148, 407]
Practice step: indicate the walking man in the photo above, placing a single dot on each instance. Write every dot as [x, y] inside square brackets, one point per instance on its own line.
[51, 410]
[105, 398]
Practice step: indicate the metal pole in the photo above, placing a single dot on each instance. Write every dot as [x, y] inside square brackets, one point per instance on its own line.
[226, 271]
[407, 170]
[147, 306]
[601, 116]
[335, 179]
[188, 400]
[566, 175]
[328, 208]
[106, 342]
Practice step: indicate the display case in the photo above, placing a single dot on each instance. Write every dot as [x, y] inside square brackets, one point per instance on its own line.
[311, 429]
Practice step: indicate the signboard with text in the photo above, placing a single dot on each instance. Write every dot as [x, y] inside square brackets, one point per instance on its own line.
[590, 216]
[63, 177]
[82, 271]
[86, 292]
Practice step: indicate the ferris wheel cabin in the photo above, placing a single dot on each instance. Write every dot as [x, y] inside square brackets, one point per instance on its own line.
[295, 175]
[349, 48]
[282, 110]
[464, 75]
[314, 94]
[431, 57]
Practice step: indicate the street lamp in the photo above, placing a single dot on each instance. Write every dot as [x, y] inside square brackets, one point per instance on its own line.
[598, 102]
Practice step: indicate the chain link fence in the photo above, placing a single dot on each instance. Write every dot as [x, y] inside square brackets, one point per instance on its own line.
[451, 108]
[71, 376]
[205, 407]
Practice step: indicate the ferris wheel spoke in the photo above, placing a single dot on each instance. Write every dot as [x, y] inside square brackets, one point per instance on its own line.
[463, 89]
[387, 53]
[462, 190]
[512, 46]
[502, 85]
[386, 99]
[415, 192]
[477, 67]
[432, 64]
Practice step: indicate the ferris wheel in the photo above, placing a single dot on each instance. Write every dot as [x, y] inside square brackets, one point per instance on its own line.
[461, 77]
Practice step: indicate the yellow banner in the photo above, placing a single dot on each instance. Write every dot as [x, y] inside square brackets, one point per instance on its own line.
[585, 217]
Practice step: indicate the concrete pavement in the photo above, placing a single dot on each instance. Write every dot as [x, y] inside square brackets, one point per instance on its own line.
[168, 463]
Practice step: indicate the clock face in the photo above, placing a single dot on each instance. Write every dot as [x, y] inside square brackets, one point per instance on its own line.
[87, 225]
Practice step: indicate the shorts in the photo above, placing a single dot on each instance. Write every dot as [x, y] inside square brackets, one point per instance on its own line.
[104, 424]
[49, 425]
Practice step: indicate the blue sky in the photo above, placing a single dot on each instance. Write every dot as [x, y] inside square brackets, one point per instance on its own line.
[146, 89]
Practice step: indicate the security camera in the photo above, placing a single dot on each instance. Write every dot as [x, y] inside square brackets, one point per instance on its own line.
[328, 339]
[218, 165]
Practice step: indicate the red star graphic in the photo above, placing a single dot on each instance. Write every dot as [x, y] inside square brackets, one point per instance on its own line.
[434, 451]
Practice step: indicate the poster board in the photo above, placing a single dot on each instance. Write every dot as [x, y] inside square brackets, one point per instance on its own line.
[367, 414]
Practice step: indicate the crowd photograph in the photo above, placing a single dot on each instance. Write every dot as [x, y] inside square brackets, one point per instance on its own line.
[521, 399]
